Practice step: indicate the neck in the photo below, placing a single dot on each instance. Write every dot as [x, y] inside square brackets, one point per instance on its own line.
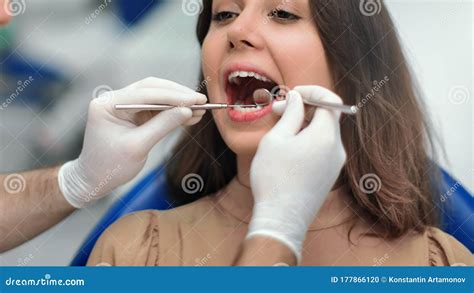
[243, 169]
[239, 199]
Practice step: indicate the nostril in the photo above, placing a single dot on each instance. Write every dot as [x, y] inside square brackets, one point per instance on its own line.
[247, 43]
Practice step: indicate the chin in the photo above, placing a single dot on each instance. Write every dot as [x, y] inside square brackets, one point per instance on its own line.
[243, 142]
[244, 146]
[243, 138]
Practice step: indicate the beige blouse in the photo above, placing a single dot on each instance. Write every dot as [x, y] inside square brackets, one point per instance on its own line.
[209, 231]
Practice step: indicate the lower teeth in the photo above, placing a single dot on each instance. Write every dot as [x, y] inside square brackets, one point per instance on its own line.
[243, 109]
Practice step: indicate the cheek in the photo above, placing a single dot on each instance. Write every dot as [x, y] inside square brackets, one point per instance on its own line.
[211, 60]
[302, 60]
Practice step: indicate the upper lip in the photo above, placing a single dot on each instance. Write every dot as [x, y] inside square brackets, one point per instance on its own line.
[242, 66]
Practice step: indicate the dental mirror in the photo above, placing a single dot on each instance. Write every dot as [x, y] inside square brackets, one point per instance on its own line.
[262, 97]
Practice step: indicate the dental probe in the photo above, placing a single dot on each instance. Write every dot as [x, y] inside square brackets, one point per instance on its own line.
[261, 98]
[167, 107]
[193, 107]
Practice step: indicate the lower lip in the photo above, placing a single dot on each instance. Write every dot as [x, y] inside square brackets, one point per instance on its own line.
[238, 116]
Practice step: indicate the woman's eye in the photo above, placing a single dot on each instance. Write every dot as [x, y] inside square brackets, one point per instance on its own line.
[223, 16]
[283, 15]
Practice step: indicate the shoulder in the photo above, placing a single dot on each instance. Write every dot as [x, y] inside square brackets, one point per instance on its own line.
[132, 238]
[444, 249]
[122, 241]
[143, 223]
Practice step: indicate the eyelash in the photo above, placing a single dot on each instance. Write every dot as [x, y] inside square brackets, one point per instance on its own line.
[282, 15]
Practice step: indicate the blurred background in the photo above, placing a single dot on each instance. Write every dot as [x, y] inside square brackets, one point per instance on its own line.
[56, 56]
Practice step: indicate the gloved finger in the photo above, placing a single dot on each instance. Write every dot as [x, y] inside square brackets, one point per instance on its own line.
[314, 93]
[193, 121]
[155, 96]
[150, 133]
[199, 113]
[197, 116]
[154, 82]
[278, 107]
[292, 119]
[324, 120]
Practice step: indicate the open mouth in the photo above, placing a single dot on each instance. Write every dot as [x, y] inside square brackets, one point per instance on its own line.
[241, 85]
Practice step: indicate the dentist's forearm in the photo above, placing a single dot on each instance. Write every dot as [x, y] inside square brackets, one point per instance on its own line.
[264, 251]
[30, 203]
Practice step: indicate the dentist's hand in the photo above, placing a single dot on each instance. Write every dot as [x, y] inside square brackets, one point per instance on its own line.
[117, 142]
[293, 169]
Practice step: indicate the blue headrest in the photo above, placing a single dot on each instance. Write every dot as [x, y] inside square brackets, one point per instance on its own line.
[150, 193]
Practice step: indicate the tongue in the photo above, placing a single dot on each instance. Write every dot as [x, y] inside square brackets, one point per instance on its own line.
[247, 87]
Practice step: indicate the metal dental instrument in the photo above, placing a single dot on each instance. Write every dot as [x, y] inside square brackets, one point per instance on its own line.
[193, 107]
[167, 107]
[262, 97]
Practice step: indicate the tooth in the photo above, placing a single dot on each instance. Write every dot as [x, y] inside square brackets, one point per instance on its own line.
[251, 74]
[243, 74]
[242, 109]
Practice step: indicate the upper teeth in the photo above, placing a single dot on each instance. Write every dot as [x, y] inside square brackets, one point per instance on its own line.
[233, 77]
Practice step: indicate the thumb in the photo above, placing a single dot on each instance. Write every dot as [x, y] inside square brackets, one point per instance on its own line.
[150, 133]
[293, 116]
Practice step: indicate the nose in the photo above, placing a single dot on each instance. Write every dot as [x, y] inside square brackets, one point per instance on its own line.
[244, 32]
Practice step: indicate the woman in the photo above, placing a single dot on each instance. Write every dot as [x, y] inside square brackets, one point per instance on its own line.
[270, 193]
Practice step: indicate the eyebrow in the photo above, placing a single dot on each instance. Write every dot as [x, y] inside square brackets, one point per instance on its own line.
[294, 4]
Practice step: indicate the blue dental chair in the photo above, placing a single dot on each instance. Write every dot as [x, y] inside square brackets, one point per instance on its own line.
[457, 209]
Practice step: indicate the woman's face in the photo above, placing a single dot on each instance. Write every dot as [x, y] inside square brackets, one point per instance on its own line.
[258, 44]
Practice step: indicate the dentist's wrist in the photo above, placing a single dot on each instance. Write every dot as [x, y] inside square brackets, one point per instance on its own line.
[74, 185]
[281, 222]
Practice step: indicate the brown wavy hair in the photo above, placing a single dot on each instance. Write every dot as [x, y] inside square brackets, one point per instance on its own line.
[388, 140]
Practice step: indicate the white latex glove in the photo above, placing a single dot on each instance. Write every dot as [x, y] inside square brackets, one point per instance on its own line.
[117, 142]
[293, 169]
